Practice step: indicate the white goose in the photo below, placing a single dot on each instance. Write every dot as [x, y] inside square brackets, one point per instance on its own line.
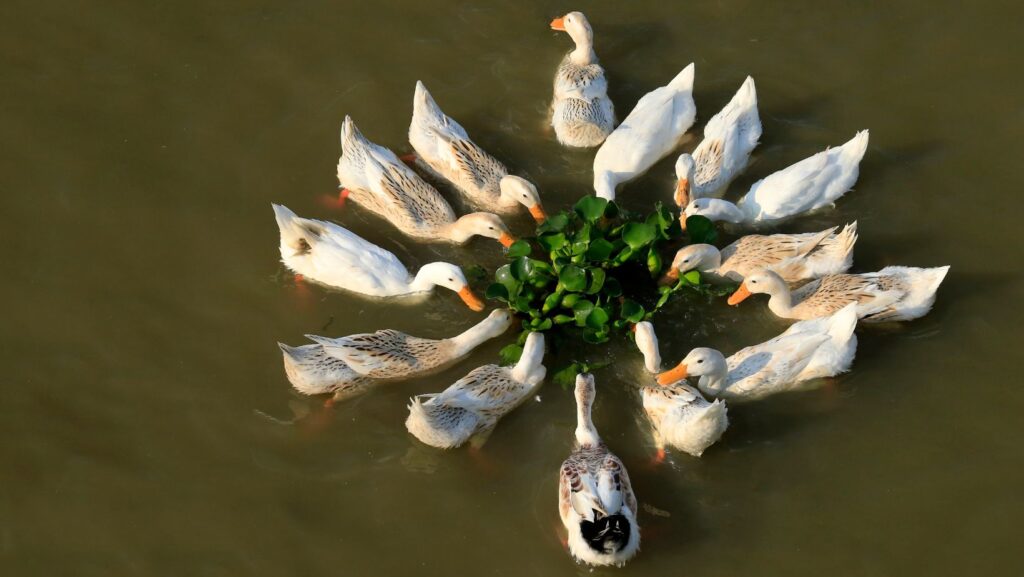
[351, 365]
[377, 180]
[651, 131]
[581, 112]
[794, 257]
[729, 138]
[678, 414]
[447, 151]
[334, 256]
[807, 185]
[807, 350]
[472, 406]
[595, 498]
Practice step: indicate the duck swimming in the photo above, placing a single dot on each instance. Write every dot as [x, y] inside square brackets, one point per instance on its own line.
[581, 112]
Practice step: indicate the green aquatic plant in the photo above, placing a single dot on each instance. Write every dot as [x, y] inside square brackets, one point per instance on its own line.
[593, 271]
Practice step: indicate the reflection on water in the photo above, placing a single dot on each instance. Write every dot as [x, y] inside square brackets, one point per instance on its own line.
[145, 144]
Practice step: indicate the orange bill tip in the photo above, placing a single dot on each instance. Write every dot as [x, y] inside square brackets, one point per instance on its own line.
[740, 295]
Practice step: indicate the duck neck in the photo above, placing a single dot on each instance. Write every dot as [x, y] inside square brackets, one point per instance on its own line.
[533, 355]
[781, 302]
[455, 232]
[729, 212]
[472, 338]
[604, 185]
[714, 261]
[421, 282]
[583, 54]
[586, 433]
[714, 381]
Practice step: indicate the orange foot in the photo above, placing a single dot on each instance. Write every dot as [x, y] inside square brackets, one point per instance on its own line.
[658, 459]
[485, 463]
[318, 420]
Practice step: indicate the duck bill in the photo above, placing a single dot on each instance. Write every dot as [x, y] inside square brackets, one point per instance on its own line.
[558, 24]
[740, 295]
[471, 299]
[673, 375]
[506, 239]
[669, 277]
[682, 221]
[682, 197]
[538, 214]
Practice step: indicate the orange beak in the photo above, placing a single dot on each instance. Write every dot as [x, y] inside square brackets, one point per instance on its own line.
[682, 192]
[669, 277]
[470, 299]
[558, 24]
[537, 211]
[673, 375]
[740, 295]
[682, 220]
[506, 239]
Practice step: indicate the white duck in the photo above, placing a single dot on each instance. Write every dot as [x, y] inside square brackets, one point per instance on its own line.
[595, 498]
[807, 350]
[334, 256]
[377, 180]
[807, 185]
[678, 414]
[472, 406]
[795, 257]
[447, 151]
[729, 138]
[651, 131]
[351, 365]
[581, 112]
[895, 293]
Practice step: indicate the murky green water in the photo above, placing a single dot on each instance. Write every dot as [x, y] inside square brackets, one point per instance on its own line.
[147, 421]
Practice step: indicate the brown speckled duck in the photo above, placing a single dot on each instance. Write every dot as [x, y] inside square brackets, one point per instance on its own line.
[351, 365]
[794, 257]
[581, 112]
[377, 180]
[446, 150]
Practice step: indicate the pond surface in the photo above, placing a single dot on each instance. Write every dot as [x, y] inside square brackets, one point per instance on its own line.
[148, 425]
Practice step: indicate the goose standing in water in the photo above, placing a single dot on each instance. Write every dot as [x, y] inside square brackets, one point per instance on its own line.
[351, 365]
[651, 131]
[595, 499]
[805, 186]
[581, 112]
[895, 293]
[729, 138]
[794, 257]
[377, 180]
[447, 151]
[334, 256]
[807, 350]
[679, 415]
[472, 406]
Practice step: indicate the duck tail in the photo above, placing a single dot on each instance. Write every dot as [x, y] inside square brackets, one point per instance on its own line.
[840, 248]
[854, 149]
[439, 425]
[297, 233]
[306, 370]
[842, 323]
[425, 110]
[684, 80]
[697, 434]
[746, 96]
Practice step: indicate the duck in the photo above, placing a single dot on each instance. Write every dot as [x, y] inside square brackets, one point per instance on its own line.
[652, 130]
[794, 257]
[895, 293]
[348, 366]
[595, 498]
[679, 415]
[334, 256]
[810, 184]
[446, 151]
[581, 112]
[470, 408]
[729, 138]
[377, 180]
[810, 349]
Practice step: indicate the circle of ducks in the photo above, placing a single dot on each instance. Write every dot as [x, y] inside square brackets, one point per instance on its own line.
[803, 274]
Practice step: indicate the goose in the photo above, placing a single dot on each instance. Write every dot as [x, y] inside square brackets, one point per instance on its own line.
[651, 131]
[447, 151]
[895, 293]
[809, 349]
[807, 185]
[334, 256]
[794, 257]
[377, 180]
[581, 112]
[729, 138]
[472, 406]
[679, 415]
[350, 365]
[595, 498]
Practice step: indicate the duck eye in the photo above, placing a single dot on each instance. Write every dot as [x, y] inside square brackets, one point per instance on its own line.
[451, 280]
[700, 361]
[490, 228]
[753, 282]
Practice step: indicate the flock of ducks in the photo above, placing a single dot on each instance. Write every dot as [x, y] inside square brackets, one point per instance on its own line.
[805, 276]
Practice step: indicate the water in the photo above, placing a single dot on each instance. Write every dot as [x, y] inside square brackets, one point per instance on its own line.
[148, 423]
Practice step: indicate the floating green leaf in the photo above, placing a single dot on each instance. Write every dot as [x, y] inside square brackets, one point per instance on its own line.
[497, 291]
[551, 241]
[573, 278]
[510, 354]
[597, 277]
[591, 208]
[638, 234]
[581, 310]
[598, 319]
[554, 223]
[519, 248]
[599, 250]
[701, 230]
[631, 311]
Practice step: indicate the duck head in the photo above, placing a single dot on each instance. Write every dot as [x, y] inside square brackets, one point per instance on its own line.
[701, 361]
[686, 170]
[450, 277]
[514, 188]
[761, 281]
[481, 224]
[702, 257]
[715, 209]
[575, 24]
